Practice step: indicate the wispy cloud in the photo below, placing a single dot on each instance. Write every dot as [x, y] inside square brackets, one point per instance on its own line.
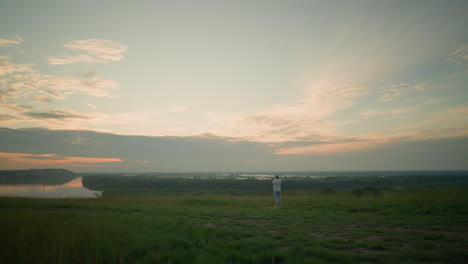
[32, 89]
[448, 123]
[63, 118]
[67, 59]
[398, 112]
[391, 113]
[27, 95]
[56, 114]
[451, 121]
[142, 122]
[459, 56]
[6, 118]
[45, 88]
[8, 42]
[93, 51]
[332, 148]
[395, 91]
[305, 119]
[89, 84]
[91, 106]
[9, 67]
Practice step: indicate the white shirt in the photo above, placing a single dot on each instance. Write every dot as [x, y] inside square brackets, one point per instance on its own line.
[277, 185]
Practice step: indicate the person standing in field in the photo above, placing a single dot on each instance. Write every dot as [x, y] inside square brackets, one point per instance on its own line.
[277, 190]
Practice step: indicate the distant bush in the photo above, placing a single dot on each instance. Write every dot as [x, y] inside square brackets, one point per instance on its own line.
[369, 191]
[328, 191]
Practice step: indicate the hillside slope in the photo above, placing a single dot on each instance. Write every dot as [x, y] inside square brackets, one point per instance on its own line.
[36, 176]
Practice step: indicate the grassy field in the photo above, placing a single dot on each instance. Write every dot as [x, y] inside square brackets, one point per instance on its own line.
[409, 226]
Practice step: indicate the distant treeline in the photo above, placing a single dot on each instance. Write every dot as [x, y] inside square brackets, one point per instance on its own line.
[298, 174]
[149, 185]
[37, 176]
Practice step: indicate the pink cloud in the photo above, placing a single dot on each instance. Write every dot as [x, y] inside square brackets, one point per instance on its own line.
[27, 96]
[90, 84]
[304, 119]
[331, 148]
[66, 59]
[8, 67]
[448, 123]
[41, 90]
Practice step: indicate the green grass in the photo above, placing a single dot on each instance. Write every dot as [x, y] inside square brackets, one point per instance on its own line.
[410, 226]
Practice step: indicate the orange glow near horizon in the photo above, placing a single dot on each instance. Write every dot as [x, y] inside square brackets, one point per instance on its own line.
[332, 148]
[55, 159]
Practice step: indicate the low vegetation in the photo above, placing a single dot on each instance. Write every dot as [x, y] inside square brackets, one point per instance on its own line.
[427, 225]
[149, 185]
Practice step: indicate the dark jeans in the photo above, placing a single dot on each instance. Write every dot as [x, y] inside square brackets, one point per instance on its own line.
[277, 197]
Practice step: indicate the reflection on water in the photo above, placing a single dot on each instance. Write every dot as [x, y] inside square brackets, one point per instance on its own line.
[71, 189]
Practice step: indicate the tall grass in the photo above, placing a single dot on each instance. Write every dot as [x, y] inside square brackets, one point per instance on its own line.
[407, 226]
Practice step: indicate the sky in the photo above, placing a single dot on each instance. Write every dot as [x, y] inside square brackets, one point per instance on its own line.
[173, 86]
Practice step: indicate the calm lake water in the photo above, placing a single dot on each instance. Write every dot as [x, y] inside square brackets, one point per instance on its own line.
[71, 189]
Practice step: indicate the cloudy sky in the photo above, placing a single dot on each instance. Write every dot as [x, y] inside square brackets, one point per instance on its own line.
[233, 85]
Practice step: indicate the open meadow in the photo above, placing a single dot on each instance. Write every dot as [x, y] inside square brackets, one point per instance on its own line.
[233, 132]
[425, 225]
